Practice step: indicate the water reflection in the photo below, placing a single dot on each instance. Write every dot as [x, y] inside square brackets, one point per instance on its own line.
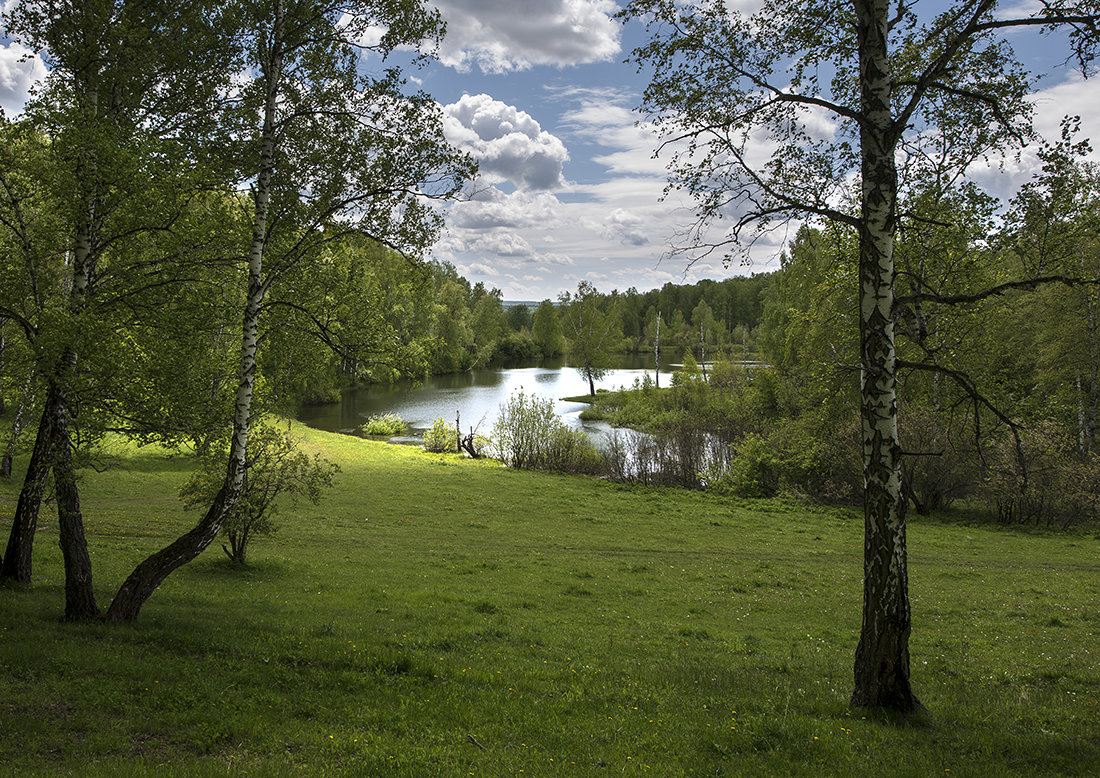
[476, 396]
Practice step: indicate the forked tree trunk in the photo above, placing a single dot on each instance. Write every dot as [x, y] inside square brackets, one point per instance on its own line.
[148, 575]
[18, 554]
[80, 602]
[882, 656]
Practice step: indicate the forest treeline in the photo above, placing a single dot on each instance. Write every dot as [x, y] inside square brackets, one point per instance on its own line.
[464, 326]
[999, 379]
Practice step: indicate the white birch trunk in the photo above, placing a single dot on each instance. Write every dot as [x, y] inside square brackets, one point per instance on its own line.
[882, 657]
[151, 572]
[657, 355]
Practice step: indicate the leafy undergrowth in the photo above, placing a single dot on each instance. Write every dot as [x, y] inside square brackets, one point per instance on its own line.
[436, 616]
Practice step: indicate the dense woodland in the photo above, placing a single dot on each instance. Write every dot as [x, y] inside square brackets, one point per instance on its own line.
[211, 212]
[1005, 428]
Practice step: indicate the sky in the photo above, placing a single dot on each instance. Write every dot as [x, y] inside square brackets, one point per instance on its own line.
[569, 188]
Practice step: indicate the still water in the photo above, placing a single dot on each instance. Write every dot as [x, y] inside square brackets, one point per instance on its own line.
[476, 396]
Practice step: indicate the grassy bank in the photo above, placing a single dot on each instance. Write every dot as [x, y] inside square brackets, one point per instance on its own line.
[434, 616]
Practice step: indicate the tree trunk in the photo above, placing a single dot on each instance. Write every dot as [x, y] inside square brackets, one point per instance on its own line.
[1094, 372]
[882, 656]
[702, 353]
[148, 575]
[17, 555]
[80, 603]
[3, 350]
[26, 404]
[591, 383]
[657, 355]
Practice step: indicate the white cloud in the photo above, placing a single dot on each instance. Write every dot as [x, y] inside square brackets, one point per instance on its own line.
[20, 70]
[502, 35]
[602, 118]
[612, 228]
[493, 208]
[1020, 9]
[625, 227]
[502, 244]
[508, 143]
[1074, 97]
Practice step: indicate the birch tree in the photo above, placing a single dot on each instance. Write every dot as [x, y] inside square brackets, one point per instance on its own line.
[767, 117]
[593, 333]
[334, 153]
[98, 167]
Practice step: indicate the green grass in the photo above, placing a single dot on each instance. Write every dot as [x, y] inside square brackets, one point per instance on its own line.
[567, 625]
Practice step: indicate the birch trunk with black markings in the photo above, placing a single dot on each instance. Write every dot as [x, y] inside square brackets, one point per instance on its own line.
[148, 575]
[882, 656]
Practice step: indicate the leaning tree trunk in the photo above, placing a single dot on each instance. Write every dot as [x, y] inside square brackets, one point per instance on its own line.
[882, 656]
[148, 575]
[17, 555]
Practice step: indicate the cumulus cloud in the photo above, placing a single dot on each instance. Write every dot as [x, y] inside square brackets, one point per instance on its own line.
[508, 143]
[625, 227]
[20, 69]
[502, 35]
[613, 228]
[502, 244]
[493, 208]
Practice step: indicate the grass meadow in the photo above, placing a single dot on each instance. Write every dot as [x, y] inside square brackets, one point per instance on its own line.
[441, 616]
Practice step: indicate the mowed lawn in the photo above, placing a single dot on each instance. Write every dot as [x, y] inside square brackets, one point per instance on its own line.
[438, 616]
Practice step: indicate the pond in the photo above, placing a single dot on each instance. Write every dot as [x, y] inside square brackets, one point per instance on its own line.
[476, 396]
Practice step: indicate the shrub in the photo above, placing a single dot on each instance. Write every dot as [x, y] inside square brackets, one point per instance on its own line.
[1045, 481]
[805, 456]
[941, 468]
[754, 471]
[727, 375]
[528, 434]
[515, 347]
[441, 437]
[275, 467]
[388, 424]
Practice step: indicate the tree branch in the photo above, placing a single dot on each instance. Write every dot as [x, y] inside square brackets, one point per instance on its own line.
[963, 299]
